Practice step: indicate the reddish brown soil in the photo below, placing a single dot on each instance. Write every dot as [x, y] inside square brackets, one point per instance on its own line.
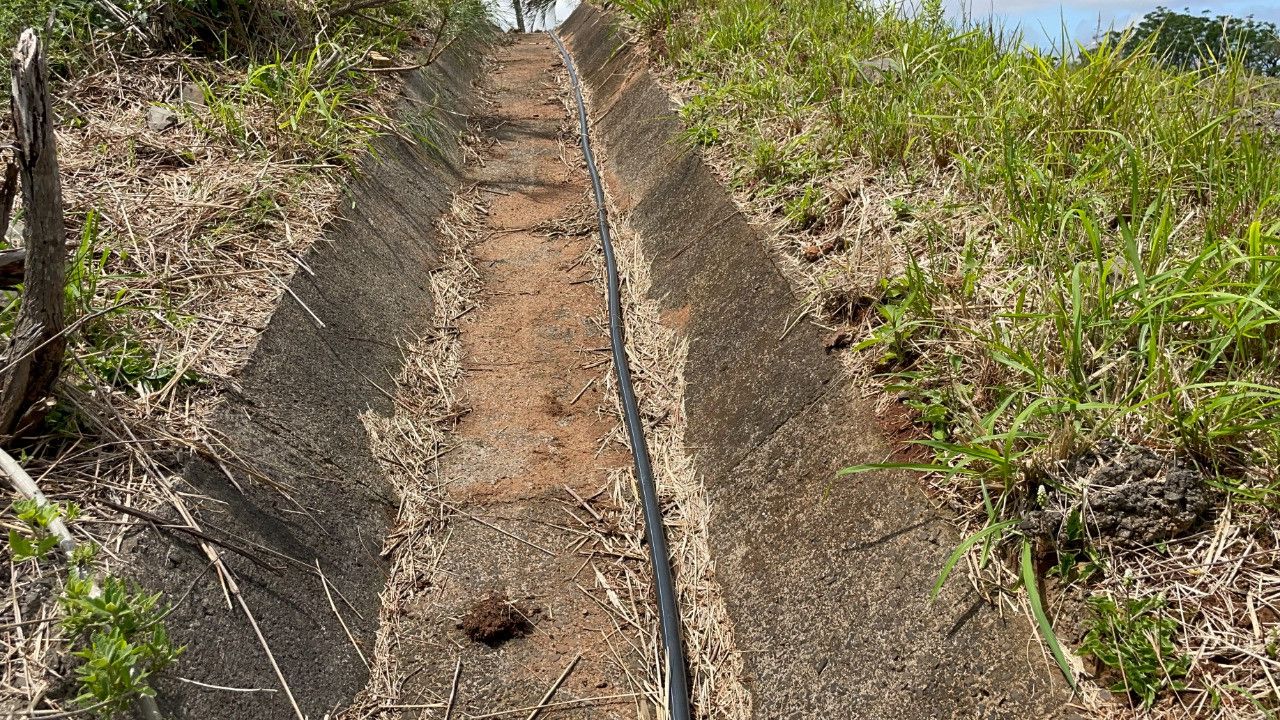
[535, 357]
[536, 342]
[496, 619]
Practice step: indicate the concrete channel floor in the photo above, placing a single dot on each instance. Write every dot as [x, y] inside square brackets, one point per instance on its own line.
[532, 344]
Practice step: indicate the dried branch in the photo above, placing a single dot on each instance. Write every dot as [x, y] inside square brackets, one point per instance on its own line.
[8, 191]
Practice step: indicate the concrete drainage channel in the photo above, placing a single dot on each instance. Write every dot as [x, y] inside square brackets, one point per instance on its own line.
[826, 582]
[818, 603]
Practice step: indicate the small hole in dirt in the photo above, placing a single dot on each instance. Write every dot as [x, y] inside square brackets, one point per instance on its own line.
[555, 408]
[496, 619]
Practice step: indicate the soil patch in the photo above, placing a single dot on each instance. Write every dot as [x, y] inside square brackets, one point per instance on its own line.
[497, 619]
[519, 485]
[1121, 493]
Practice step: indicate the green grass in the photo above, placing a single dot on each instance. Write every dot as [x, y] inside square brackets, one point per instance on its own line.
[1132, 259]
[1086, 248]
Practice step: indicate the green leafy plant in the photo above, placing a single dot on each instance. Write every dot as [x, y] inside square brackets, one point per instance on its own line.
[38, 542]
[1078, 559]
[125, 641]
[804, 209]
[653, 14]
[1030, 584]
[117, 632]
[1134, 640]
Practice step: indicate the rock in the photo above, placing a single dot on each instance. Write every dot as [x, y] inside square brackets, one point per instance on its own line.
[13, 238]
[379, 60]
[160, 118]
[191, 94]
[838, 340]
[875, 70]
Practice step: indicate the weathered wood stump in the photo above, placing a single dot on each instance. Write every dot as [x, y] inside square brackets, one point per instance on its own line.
[36, 351]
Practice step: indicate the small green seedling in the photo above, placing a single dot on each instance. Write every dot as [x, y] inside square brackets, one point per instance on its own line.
[38, 541]
[1134, 640]
[127, 641]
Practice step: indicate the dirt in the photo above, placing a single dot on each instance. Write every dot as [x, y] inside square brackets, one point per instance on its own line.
[497, 619]
[1123, 494]
[534, 358]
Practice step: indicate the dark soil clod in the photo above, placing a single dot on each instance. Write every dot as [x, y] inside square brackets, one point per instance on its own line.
[838, 340]
[1126, 494]
[496, 619]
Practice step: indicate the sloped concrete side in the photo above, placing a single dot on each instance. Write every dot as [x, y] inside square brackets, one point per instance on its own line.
[826, 580]
[329, 353]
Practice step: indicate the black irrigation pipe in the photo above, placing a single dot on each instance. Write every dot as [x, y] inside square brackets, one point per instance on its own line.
[668, 607]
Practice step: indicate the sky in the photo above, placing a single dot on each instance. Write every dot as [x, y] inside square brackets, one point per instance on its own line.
[1041, 20]
[558, 14]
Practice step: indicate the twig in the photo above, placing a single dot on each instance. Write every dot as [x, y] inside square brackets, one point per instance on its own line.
[224, 687]
[583, 391]
[453, 692]
[560, 704]
[491, 526]
[542, 704]
[358, 5]
[583, 503]
[319, 323]
[231, 586]
[166, 524]
[324, 582]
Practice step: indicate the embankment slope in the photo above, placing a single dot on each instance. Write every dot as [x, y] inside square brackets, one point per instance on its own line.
[309, 491]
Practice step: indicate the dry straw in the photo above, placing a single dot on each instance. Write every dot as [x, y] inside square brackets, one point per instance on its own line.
[409, 445]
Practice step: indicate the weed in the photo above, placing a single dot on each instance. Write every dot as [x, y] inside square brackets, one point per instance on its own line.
[805, 209]
[653, 14]
[316, 103]
[38, 541]
[1134, 641]
[118, 632]
[126, 641]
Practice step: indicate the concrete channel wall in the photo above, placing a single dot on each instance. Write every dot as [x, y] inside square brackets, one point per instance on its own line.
[295, 418]
[826, 580]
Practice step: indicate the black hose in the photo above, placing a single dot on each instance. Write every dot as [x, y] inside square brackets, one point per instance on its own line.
[668, 607]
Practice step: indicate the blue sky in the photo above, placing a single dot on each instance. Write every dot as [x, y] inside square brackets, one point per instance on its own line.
[1081, 17]
[557, 15]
